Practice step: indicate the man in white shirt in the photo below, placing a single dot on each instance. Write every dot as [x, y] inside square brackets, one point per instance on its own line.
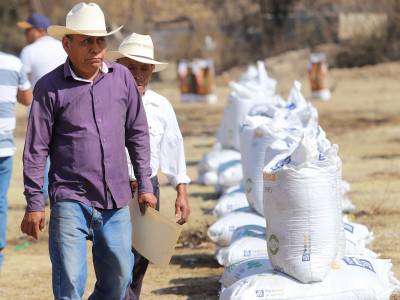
[136, 52]
[14, 87]
[42, 55]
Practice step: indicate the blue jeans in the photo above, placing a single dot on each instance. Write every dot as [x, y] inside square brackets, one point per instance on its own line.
[71, 224]
[45, 188]
[5, 176]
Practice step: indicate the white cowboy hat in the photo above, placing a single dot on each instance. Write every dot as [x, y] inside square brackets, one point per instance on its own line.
[139, 48]
[83, 18]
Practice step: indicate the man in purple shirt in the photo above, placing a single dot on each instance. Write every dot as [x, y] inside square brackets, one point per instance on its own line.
[83, 115]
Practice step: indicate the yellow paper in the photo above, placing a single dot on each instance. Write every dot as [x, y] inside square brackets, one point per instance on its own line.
[153, 235]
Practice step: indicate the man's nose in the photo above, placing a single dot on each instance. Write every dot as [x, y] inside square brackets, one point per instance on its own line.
[96, 47]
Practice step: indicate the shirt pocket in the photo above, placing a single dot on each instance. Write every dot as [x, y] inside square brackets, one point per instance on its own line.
[156, 132]
[156, 128]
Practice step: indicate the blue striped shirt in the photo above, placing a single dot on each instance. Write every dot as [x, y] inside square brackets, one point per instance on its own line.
[12, 79]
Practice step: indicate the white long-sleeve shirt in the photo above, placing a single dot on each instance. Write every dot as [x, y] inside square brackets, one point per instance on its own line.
[41, 57]
[166, 142]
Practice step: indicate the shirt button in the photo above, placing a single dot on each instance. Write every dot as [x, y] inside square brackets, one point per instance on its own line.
[104, 140]
[99, 120]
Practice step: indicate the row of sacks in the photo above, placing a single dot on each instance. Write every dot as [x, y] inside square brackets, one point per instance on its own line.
[263, 128]
[273, 136]
[290, 215]
[221, 167]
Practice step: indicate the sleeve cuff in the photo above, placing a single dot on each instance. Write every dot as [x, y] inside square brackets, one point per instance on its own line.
[35, 203]
[180, 179]
[144, 184]
[25, 86]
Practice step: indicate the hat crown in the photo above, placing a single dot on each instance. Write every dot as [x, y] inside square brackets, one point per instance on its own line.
[86, 17]
[138, 45]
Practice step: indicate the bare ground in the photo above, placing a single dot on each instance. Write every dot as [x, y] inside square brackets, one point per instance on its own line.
[363, 118]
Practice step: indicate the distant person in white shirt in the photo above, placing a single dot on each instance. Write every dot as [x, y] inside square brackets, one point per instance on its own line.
[42, 55]
[136, 52]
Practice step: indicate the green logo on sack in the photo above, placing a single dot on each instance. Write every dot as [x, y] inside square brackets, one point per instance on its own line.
[248, 185]
[254, 265]
[273, 244]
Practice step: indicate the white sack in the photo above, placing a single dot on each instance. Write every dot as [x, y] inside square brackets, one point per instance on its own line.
[222, 230]
[242, 249]
[229, 202]
[229, 174]
[214, 159]
[349, 279]
[208, 178]
[303, 218]
[261, 140]
[245, 268]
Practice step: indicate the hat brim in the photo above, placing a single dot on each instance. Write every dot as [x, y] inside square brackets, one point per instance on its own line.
[57, 32]
[158, 65]
[24, 25]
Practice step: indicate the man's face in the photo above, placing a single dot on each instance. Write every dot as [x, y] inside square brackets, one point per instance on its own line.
[31, 35]
[140, 71]
[85, 52]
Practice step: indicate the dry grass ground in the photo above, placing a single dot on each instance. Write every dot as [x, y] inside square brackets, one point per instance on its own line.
[363, 118]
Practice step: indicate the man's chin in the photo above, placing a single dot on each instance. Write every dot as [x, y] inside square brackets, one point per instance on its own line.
[95, 63]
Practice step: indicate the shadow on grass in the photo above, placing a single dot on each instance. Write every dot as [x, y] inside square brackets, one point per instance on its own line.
[191, 163]
[191, 261]
[207, 211]
[205, 196]
[195, 288]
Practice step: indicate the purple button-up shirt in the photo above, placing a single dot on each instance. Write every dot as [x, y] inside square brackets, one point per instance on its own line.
[84, 127]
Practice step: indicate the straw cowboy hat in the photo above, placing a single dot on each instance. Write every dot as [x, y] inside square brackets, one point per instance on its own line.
[83, 18]
[139, 48]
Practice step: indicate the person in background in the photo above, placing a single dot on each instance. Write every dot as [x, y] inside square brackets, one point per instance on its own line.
[14, 87]
[43, 52]
[42, 55]
[136, 52]
[83, 115]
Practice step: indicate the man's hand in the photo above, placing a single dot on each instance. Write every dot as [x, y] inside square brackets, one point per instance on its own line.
[33, 223]
[134, 186]
[182, 210]
[146, 199]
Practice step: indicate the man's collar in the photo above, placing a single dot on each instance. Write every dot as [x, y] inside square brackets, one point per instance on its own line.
[106, 67]
[42, 38]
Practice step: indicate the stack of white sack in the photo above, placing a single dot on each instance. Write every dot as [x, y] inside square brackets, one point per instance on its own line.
[222, 230]
[229, 174]
[273, 132]
[350, 278]
[358, 237]
[302, 207]
[249, 241]
[242, 249]
[231, 201]
[253, 88]
[290, 181]
[211, 162]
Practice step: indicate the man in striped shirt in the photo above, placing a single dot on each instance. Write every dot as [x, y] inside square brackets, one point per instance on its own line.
[14, 86]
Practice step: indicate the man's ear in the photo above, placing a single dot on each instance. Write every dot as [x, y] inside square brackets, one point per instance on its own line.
[153, 67]
[66, 42]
